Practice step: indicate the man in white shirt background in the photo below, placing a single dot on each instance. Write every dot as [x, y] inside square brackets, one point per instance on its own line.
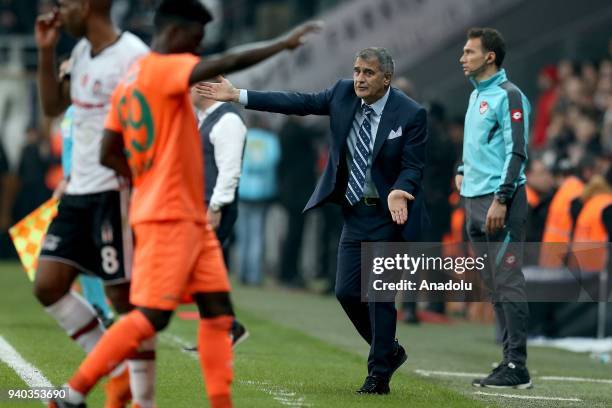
[223, 135]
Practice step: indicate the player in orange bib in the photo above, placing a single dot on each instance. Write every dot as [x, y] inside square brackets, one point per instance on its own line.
[151, 137]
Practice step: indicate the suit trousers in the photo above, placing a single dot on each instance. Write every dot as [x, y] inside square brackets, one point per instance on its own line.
[374, 321]
[503, 276]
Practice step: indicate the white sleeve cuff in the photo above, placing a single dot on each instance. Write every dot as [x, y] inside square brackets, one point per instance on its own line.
[244, 97]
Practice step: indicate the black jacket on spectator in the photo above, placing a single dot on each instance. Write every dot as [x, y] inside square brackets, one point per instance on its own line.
[297, 166]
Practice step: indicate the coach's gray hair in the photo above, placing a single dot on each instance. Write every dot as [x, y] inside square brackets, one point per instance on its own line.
[382, 55]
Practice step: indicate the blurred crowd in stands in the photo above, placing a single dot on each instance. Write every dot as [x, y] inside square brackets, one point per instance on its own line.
[569, 166]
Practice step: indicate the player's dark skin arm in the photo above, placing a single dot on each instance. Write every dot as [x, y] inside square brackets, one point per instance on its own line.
[54, 93]
[112, 154]
[242, 57]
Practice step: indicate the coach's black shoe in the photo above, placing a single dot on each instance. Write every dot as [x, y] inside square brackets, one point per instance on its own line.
[239, 333]
[509, 376]
[374, 385]
[399, 357]
[477, 382]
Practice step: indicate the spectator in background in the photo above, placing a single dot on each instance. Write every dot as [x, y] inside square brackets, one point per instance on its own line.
[3, 162]
[591, 172]
[455, 134]
[604, 86]
[607, 129]
[540, 191]
[17, 16]
[592, 225]
[406, 86]
[14, 118]
[9, 23]
[223, 132]
[438, 180]
[586, 137]
[603, 101]
[139, 19]
[589, 76]
[35, 160]
[574, 128]
[574, 93]
[565, 70]
[6, 247]
[559, 225]
[331, 228]
[257, 188]
[297, 178]
[4, 167]
[548, 84]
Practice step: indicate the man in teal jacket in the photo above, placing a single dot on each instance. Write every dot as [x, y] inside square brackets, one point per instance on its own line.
[491, 178]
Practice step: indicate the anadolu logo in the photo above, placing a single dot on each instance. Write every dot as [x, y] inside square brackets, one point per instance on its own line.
[516, 115]
[484, 106]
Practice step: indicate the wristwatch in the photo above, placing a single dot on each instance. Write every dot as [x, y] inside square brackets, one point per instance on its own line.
[501, 199]
[215, 207]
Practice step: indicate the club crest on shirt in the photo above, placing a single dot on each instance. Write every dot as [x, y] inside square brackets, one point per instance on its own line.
[516, 115]
[107, 233]
[484, 106]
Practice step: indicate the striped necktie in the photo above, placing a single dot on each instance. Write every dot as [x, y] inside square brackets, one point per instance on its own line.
[361, 155]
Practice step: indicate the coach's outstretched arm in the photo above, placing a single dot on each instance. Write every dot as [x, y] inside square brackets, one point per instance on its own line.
[288, 103]
[54, 93]
[250, 54]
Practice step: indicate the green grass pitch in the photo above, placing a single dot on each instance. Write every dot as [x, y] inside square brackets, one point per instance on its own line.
[303, 352]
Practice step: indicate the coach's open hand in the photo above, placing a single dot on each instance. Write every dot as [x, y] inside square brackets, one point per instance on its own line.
[398, 205]
[222, 91]
[297, 37]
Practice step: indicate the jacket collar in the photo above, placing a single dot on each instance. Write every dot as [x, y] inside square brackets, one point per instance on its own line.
[495, 80]
[379, 105]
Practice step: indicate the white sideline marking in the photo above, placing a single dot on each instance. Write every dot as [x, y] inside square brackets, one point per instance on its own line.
[31, 375]
[428, 373]
[575, 379]
[534, 397]
[284, 397]
[178, 341]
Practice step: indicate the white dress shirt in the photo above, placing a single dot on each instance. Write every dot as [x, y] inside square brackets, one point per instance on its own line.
[228, 136]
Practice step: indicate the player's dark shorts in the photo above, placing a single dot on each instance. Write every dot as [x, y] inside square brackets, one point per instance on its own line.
[91, 233]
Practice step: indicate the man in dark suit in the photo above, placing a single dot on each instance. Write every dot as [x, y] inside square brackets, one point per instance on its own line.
[374, 171]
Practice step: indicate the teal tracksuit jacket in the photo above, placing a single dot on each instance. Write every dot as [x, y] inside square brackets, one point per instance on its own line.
[495, 138]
